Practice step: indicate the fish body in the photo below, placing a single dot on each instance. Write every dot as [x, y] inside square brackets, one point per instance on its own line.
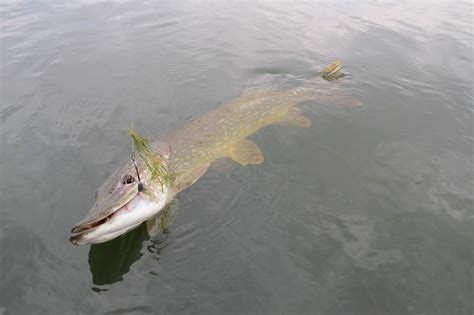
[132, 195]
[223, 132]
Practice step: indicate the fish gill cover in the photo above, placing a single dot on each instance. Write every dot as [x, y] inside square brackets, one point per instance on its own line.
[154, 161]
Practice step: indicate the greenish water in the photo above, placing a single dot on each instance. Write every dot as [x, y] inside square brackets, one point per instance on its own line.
[370, 211]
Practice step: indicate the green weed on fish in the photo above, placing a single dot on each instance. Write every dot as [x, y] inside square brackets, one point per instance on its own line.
[153, 160]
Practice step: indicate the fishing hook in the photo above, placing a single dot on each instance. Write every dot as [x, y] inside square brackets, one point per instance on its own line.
[140, 184]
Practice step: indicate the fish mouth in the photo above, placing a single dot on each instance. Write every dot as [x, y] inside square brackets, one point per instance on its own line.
[83, 239]
[91, 222]
[79, 231]
[96, 218]
[99, 229]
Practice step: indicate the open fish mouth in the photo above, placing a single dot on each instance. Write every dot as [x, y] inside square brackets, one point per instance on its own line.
[100, 214]
[110, 225]
[94, 219]
[92, 224]
[104, 229]
[79, 231]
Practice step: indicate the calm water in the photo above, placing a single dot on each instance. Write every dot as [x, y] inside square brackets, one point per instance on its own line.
[368, 212]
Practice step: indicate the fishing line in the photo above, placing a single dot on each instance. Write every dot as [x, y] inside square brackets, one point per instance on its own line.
[132, 112]
[132, 109]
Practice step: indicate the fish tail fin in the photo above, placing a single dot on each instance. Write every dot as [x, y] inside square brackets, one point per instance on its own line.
[332, 94]
[337, 97]
[332, 71]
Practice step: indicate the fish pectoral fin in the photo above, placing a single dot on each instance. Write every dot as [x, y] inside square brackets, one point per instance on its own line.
[153, 227]
[294, 118]
[246, 152]
[183, 181]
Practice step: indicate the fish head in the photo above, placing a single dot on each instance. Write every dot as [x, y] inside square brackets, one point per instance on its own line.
[130, 196]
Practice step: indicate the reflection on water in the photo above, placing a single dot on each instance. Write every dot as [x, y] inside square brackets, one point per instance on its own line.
[367, 212]
[111, 260]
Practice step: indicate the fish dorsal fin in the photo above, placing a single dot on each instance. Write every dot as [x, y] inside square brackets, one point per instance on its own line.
[294, 118]
[246, 152]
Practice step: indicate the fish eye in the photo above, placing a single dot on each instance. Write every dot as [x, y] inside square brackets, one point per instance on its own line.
[127, 179]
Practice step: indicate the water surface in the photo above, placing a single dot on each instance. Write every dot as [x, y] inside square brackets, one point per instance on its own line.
[370, 211]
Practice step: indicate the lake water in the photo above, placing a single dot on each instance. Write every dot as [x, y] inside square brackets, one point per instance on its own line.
[370, 211]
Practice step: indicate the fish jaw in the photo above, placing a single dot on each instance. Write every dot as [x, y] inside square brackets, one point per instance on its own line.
[126, 218]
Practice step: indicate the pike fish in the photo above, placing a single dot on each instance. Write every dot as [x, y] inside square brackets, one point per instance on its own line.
[124, 201]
